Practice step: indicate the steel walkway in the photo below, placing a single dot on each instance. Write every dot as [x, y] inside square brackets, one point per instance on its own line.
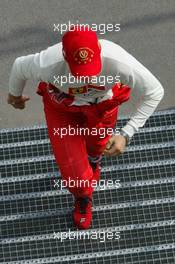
[139, 212]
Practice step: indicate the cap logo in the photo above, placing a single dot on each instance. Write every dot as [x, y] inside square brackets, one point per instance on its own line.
[83, 55]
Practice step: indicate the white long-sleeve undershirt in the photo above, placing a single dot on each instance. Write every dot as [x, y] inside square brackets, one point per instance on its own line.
[43, 66]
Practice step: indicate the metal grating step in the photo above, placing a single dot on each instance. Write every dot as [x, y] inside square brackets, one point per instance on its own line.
[43, 164]
[36, 148]
[40, 132]
[150, 255]
[50, 224]
[47, 245]
[52, 200]
[141, 207]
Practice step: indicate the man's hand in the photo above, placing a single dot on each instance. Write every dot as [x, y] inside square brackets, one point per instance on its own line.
[17, 101]
[115, 145]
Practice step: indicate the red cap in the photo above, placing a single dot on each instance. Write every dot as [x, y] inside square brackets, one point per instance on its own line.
[82, 51]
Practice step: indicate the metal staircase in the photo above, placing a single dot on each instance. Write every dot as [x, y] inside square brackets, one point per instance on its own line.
[34, 211]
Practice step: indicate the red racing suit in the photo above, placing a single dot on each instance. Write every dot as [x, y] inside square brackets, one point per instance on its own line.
[71, 151]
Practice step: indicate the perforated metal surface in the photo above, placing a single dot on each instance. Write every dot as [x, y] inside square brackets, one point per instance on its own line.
[142, 209]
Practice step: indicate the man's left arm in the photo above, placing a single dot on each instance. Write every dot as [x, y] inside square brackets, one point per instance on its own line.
[152, 93]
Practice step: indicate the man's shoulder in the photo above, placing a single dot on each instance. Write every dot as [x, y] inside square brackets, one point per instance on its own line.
[51, 56]
[112, 50]
[116, 56]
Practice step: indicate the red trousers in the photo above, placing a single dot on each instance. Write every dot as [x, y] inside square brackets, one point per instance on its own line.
[72, 149]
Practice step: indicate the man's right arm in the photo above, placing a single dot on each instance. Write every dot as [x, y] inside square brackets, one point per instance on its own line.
[24, 68]
[35, 67]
